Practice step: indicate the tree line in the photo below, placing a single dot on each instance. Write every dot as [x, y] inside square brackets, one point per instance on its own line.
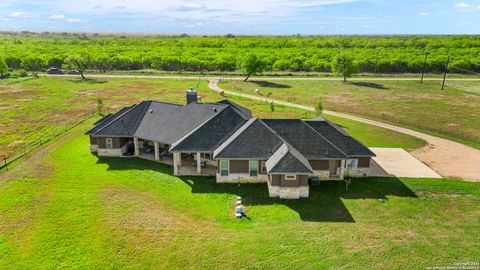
[372, 54]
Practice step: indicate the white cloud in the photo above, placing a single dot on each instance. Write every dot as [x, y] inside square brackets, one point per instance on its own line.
[462, 5]
[18, 14]
[74, 20]
[191, 7]
[56, 17]
[463, 23]
[423, 13]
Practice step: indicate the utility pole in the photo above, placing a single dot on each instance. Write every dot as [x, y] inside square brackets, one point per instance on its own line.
[376, 64]
[446, 70]
[424, 66]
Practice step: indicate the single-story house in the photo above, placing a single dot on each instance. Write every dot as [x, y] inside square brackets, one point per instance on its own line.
[223, 140]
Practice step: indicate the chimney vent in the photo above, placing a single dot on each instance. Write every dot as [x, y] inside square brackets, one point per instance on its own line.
[191, 95]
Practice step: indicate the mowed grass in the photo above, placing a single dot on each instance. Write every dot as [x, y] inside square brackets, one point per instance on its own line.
[67, 208]
[453, 112]
[35, 108]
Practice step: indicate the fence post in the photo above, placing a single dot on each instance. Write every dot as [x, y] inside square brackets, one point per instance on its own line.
[5, 161]
[24, 152]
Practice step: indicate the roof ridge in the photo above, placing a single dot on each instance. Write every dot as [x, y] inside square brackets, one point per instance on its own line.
[328, 141]
[190, 132]
[115, 120]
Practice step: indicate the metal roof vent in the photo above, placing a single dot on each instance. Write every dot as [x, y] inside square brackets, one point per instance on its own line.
[215, 109]
[151, 111]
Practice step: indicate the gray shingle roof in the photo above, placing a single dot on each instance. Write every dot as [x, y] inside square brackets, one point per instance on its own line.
[287, 160]
[209, 135]
[244, 111]
[253, 140]
[339, 137]
[166, 123]
[123, 123]
[305, 139]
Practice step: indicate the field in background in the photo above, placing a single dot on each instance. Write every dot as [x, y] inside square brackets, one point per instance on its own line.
[34, 108]
[67, 208]
[453, 112]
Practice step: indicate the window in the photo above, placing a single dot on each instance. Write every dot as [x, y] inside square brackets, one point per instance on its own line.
[224, 167]
[353, 164]
[206, 155]
[109, 143]
[290, 177]
[253, 167]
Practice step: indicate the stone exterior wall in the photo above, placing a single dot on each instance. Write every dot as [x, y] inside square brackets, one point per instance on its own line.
[241, 178]
[323, 175]
[109, 152]
[359, 172]
[288, 192]
[93, 148]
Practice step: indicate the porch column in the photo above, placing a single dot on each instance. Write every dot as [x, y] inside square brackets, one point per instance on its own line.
[135, 145]
[175, 163]
[157, 151]
[179, 159]
[342, 168]
[199, 164]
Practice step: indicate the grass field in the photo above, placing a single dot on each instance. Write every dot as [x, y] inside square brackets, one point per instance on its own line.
[32, 108]
[453, 112]
[66, 208]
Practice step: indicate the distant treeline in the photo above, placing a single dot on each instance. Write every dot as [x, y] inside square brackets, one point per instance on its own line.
[382, 54]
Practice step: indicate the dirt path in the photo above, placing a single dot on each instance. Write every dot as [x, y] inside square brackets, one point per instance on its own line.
[446, 157]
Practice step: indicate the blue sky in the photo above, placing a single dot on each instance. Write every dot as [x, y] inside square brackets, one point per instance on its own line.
[274, 17]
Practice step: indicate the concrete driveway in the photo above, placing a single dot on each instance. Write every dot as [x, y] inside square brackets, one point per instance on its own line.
[396, 162]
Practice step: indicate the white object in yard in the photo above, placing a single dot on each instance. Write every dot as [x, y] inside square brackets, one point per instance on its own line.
[239, 211]
[239, 202]
[257, 91]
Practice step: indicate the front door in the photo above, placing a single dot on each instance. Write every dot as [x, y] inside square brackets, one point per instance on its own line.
[333, 165]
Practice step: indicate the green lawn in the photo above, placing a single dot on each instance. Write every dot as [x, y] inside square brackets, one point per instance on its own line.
[33, 108]
[66, 208]
[453, 112]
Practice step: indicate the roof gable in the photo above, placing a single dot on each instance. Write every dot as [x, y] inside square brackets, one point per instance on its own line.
[253, 140]
[209, 135]
[287, 160]
[246, 113]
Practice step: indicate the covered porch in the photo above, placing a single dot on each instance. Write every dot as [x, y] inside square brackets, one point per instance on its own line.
[194, 164]
[152, 150]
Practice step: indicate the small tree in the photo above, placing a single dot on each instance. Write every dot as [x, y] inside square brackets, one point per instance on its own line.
[79, 62]
[272, 107]
[319, 108]
[99, 106]
[252, 65]
[3, 67]
[343, 64]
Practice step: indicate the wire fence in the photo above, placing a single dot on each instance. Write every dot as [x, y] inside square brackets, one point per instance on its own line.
[33, 145]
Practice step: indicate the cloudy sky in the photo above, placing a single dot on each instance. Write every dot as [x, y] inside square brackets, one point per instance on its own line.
[244, 16]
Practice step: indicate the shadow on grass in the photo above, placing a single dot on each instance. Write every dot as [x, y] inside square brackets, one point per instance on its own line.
[88, 81]
[271, 84]
[323, 205]
[369, 84]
